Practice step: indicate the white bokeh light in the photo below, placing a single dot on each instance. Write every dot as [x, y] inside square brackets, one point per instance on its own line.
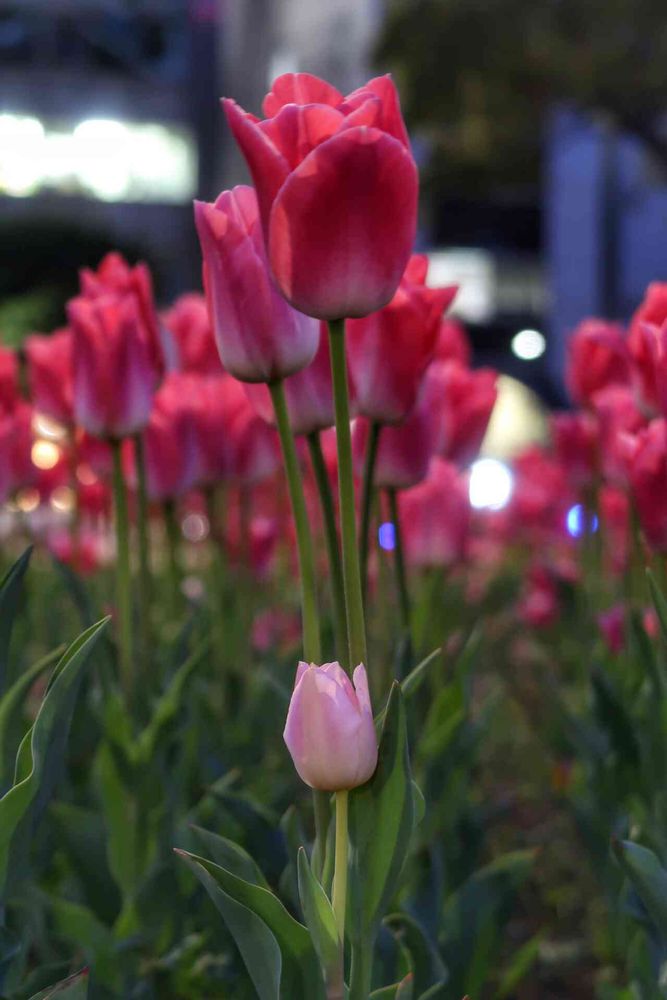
[528, 344]
[490, 484]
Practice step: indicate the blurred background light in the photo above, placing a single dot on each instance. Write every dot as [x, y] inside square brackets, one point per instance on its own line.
[576, 521]
[45, 454]
[490, 484]
[528, 345]
[387, 536]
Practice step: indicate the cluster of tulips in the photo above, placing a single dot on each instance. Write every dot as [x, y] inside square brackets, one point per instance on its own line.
[156, 446]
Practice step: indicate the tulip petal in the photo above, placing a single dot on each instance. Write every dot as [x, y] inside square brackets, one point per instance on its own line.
[392, 119]
[299, 88]
[296, 131]
[343, 224]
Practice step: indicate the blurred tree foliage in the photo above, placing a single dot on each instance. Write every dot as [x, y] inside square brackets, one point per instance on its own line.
[478, 76]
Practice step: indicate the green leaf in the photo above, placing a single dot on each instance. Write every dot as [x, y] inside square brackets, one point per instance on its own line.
[231, 856]
[648, 877]
[300, 974]
[10, 714]
[79, 926]
[119, 808]
[11, 589]
[397, 991]
[318, 914]
[83, 837]
[521, 964]
[73, 988]
[381, 817]
[614, 716]
[425, 963]
[414, 680]
[659, 602]
[40, 754]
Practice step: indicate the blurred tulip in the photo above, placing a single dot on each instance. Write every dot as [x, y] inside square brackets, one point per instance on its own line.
[309, 394]
[114, 375]
[538, 605]
[337, 189]
[115, 278]
[9, 390]
[618, 413]
[330, 731]
[647, 468]
[170, 449]
[50, 374]
[259, 336]
[190, 323]
[614, 507]
[612, 627]
[452, 343]
[435, 517]
[649, 347]
[389, 351]
[597, 357]
[467, 399]
[575, 437]
[541, 497]
[652, 312]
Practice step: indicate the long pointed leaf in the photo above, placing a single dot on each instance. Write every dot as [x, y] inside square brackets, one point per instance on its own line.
[648, 877]
[11, 589]
[318, 914]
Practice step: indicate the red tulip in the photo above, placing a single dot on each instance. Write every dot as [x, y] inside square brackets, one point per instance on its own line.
[541, 497]
[114, 373]
[171, 456]
[337, 189]
[614, 507]
[50, 374]
[452, 343]
[16, 440]
[538, 605]
[309, 394]
[259, 336]
[647, 468]
[468, 397]
[653, 311]
[388, 352]
[575, 437]
[435, 517]
[612, 626]
[190, 323]
[618, 414]
[597, 357]
[115, 277]
[9, 390]
[649, 349]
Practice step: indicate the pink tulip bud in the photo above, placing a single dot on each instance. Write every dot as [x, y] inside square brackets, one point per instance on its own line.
[330, 731]
[259, 336]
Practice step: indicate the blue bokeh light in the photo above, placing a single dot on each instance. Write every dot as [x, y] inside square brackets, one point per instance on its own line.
[576, 521]
[387, 536]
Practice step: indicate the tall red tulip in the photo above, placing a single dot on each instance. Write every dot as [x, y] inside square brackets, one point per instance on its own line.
[114, 371]
[50, 374]
[337, 188]
[388, 352]
[259, 336]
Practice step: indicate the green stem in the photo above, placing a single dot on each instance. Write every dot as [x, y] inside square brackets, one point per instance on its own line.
[173, 553]
[311, 625]
[123, 576]
[331, 536]
[353, 595]
[367, 494]
[399, 564]
[339, 894]
[361, 971]
[145, 578]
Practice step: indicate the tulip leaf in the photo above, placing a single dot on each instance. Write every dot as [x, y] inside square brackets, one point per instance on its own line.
[10, 714]
[11, 589]
[73, 988]
[648, 877]
[397, 991]
[520, 966]
[41, 752]
[381, 820]
[425, 963]
[413, 681]
[318, 914]
[659, 602]
[300, 972]
[231, 856]
[79, 926]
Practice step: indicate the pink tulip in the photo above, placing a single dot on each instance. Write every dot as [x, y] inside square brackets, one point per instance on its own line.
[190, 324]
[468, 397]
[169, 438]
[330, 731]
[309, 394]
[389, 351]
[114, 374]
[612, 626]
[453, 343]
[259, 336]
[650, 357]
[597, 357]
[337, 189]
[9, 389]
[435, 517]
[652, 312]
[647, 468]
[576, 441]
[50, 375]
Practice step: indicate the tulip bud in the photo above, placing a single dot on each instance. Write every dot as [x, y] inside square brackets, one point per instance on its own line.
[330, 731]
[50, 374]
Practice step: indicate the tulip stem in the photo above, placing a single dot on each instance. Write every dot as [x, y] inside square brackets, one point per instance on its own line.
[145, 581]
[331, 536]
[339, 894]
[399, 565]
[173, 554]
[311, 625]
[123, 576]
[367, 499]
[353, 594]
